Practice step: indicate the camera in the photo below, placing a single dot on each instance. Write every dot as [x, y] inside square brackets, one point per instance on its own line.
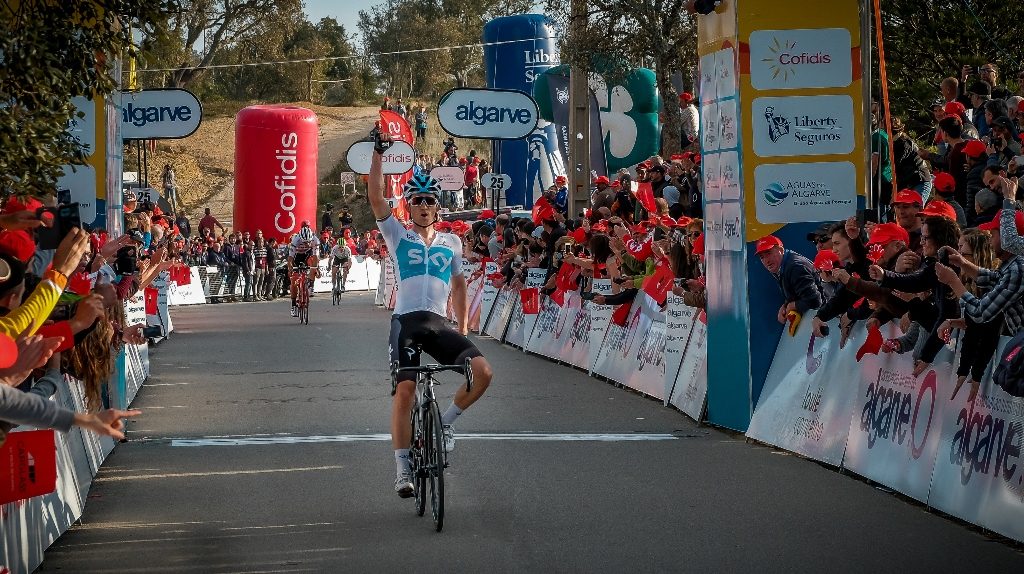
[65, 216]
[127, 260]
[152, 331]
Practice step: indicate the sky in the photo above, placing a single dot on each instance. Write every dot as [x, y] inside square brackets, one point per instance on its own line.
[346, 12]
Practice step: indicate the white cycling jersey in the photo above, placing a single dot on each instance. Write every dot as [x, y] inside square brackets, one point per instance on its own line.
[424, 272]
[341, 251]
[299, 246]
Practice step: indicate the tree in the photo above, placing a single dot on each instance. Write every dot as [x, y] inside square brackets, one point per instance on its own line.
[622, 34]
[928, 41]
[53, 52]
[220, 24]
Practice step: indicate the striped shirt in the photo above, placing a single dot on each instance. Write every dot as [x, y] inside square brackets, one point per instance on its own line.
[1005, 295]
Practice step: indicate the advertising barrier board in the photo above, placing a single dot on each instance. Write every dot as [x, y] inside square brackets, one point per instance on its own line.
[160, 113]
[397, 160]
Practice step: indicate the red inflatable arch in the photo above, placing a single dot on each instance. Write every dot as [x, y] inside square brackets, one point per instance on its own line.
[275, 169]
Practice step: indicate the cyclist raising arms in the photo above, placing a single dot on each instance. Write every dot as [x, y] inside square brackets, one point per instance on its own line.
[429, 269]
[302, 259]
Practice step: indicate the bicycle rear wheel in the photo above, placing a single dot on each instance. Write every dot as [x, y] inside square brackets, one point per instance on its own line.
[419, 468]
[434, 437]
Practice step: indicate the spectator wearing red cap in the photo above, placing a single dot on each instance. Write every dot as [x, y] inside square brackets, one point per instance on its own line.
[938, 232]
[691, 122]
[561, 201]
[852, 257]
[1006, 296]
[945, 188]
[888, 244]
[906, 205]
[795, 274]
[602, 196]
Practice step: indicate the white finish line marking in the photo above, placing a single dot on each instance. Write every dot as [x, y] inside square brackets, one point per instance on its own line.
[565, 437]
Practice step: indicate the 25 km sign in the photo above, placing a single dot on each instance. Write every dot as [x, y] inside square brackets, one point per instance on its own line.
[496, 181]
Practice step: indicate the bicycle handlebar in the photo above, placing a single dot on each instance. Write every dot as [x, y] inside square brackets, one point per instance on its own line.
[465, 368]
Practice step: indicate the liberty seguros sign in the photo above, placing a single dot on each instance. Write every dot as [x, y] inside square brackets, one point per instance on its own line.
[487, 113]
[160, 114]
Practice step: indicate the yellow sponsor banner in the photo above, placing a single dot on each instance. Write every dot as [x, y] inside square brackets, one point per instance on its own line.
[802, 104]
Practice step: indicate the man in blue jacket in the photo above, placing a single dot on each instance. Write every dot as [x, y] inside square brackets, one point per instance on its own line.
[800, 284]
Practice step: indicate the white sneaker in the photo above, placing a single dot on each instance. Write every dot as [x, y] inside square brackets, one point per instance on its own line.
[295, 311]
[404, 486]
[449, 438]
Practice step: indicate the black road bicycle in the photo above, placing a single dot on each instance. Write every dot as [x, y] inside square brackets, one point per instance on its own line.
[427, 452]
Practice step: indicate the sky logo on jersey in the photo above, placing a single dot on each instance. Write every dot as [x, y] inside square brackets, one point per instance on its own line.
[415, 259]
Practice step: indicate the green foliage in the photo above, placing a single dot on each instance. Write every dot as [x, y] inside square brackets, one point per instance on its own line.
[928, 41]
[627, 34]
[395, 25]
[53, 52]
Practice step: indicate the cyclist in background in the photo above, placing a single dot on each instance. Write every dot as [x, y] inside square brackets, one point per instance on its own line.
[429, 269]
[341, 256]
[302, 258]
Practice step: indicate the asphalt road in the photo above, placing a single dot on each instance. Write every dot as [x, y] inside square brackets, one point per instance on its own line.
[293, 491]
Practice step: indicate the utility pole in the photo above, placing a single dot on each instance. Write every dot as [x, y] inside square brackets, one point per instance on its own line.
[309, 82]
[579, 117]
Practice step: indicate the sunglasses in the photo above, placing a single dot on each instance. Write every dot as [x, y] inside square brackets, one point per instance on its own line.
[423, 199]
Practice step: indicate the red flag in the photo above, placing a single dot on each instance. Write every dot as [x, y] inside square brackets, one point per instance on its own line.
[79, 283]
[530, 298]
[641, 250]
[703, 317]
[151, 301]
[542, 210]
[660, 282]
[184, 275]
[872, 345]
[29, 460]
[645, 195]
[621, 314]
[395, 125]
[558, 296]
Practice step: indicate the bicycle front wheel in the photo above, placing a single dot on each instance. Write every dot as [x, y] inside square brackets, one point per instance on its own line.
[434, 436]
[419, 465]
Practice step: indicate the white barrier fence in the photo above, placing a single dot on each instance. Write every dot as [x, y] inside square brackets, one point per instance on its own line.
[29, 526]
[871, 416]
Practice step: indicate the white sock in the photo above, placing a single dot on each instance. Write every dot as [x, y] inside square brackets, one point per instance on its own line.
[402, 462]
[449, 416]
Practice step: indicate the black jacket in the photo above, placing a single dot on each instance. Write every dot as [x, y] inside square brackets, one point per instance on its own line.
[799, 282]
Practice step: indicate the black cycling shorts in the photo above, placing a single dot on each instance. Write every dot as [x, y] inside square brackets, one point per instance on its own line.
[432, 333]
[339, 261]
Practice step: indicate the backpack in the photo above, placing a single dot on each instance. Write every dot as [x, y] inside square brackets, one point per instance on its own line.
[1009, 373]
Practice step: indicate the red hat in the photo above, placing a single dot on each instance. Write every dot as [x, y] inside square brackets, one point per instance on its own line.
[884, 233]
[975, 149]
[561, 179]
[684, 221]
[601, 179]
[646, 164]
[943, 182]
[579, 235]
[667, 221]
[17, 244]
[954, 109]
[616, 184]
[462, 161]
[485, 214]
[444, 226]
[686, 97]
[766, 243]
[698, 246]
[600, 227]
[677, 156]
[827, 260]
[459, 227]
[907, 196]
[15, 204]
[938, 208]
[1018, 218]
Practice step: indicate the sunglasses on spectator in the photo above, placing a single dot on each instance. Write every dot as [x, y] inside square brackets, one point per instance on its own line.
[423, 199]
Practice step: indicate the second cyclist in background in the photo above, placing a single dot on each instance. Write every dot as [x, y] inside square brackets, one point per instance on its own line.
[302, 257]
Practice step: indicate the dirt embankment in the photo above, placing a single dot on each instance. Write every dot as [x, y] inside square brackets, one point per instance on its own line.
[204, 162]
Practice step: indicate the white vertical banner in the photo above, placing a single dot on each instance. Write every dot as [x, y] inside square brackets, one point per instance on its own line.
[190, 293]
[978, 471]
[896, 426]
[679, 319]
[521, 324]
[599, 318]
[803, 407]
[690, 389]
[501, 313]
